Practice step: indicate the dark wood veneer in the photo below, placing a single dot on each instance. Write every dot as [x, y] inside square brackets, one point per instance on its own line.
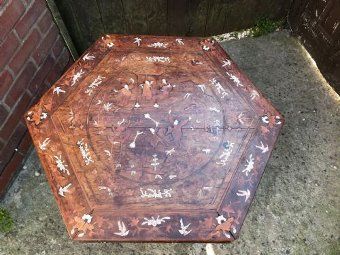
[154, 139]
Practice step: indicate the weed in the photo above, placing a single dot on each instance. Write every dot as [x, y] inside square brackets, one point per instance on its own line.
[6, 221]
[265, 26]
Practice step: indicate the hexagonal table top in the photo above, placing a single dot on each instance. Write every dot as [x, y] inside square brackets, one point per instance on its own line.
[153, 139]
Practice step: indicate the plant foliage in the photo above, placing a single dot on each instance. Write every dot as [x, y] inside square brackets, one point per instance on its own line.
[6, 221]
[265, 26]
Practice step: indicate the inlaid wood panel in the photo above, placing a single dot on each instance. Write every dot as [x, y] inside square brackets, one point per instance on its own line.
[154, 139]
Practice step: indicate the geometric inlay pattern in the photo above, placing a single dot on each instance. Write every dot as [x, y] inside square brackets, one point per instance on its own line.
[151, 138]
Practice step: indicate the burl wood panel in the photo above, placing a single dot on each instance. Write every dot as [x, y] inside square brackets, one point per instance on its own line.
[154, 139]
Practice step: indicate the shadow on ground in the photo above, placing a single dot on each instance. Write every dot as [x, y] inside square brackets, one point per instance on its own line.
[296, 210]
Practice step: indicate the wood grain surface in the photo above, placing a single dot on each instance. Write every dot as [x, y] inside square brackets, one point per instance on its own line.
[154, 139]
[87, 20]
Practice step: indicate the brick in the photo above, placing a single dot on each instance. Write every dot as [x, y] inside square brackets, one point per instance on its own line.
[9, 172]
[20, 84]
[6, 81]
[69, 63]
[58, 68]
[45, 22]
[10, 16]
[30, 17]
[41, 74]
[25, 143]
[58, 47]
[64, 60]
[28, 2]
[45, 46]
[7, 49]
[15, 116]
[13, 142]
[3, 114]
[26, 49]
[40, 91]
[53, 75]
[15, 160]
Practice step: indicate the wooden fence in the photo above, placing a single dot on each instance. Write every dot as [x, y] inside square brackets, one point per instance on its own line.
[86, 20]
[318, 24]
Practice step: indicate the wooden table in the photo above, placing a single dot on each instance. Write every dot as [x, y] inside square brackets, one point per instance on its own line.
[154, 139]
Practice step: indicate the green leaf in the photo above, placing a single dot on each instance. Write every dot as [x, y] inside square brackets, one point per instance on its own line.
[6, 221]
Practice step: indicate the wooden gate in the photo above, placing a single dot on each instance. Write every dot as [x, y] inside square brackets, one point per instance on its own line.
[318, 23]
[86, 20]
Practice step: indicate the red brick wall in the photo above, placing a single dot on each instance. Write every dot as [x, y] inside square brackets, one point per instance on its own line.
[32, 57]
